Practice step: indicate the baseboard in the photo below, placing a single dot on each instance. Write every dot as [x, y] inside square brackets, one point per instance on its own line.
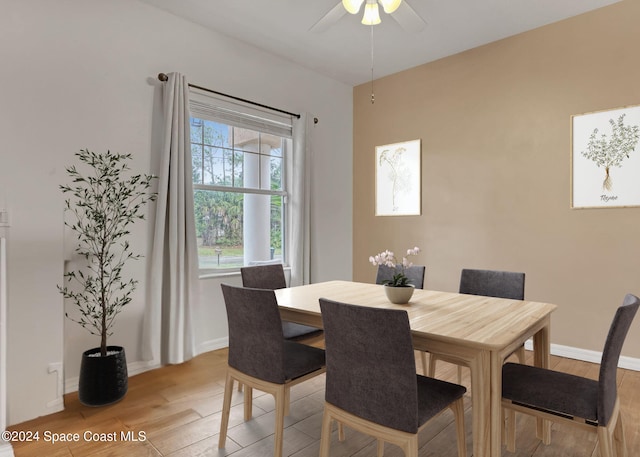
[212, 345]
[55, 406]
[585, 355]
[6, 450]
[134, 368]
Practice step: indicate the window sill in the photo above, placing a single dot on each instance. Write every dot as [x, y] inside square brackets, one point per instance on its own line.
[218, 274]
[208, 274]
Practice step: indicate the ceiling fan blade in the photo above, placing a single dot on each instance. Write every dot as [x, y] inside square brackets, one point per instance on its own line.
[408, 18]
[329, 19]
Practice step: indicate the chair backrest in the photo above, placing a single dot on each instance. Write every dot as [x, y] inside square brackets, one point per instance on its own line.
[415, 273]
[491, 283]
[371, 370]
[607, 385]
[256, 342]
[264, 276]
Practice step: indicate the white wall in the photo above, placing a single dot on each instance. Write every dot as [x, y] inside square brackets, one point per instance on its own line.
[82, 74]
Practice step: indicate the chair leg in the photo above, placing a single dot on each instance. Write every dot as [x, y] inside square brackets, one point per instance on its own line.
[248, 403]
[281, 397]
[619, 439]
[522, 356]
[287, 401]
[432, 366]
[226, 409]
[340, 431]
[410, 447]
[458, 413]
[325, 437]
[543, 431]
[380, 447]
[605, 444]
[459, 374]
[511, 429]
[425, 366]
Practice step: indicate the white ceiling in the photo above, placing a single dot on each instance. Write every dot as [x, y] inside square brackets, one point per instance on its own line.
[343, 51]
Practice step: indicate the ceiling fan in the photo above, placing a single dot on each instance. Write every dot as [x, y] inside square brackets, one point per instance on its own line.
[399, 10]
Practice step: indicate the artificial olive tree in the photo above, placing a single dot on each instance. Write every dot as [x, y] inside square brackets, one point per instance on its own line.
[104, 202]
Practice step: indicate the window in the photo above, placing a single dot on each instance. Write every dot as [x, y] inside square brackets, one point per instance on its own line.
[240, 196]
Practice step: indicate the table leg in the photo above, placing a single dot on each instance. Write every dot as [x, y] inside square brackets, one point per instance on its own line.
[481, 404]
[541, 355]
[496, 403]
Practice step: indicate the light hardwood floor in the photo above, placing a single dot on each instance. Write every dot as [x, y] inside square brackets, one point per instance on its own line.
[175, 411]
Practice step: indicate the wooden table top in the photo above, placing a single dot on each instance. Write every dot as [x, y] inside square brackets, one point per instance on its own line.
[478, 321]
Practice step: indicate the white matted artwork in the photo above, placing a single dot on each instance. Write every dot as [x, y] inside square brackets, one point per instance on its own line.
[605, 158]
[398, 185]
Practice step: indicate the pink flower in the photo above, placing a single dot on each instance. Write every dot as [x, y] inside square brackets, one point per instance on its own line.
[388, 258]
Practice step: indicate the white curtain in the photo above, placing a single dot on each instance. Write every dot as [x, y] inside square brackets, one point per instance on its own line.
[168, 334]
[300, 185]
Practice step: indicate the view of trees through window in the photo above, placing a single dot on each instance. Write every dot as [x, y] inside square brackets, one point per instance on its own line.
[238, 194]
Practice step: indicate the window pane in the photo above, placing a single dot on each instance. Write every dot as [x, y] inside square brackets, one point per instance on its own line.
[196, 130]
[224, 220]
[216, 134]
[246, 140]
[210, 164]
[218, 218]
[196, 163]
[238, 169]
[276, 173]
[277, 217]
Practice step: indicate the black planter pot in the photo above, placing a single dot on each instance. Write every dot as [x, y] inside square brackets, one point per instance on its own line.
[103, 380]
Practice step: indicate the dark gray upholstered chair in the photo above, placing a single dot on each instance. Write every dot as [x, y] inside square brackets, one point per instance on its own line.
[272, 277]
[561, 397]
[260, 357]
[489, 283]
[415, 273]
[372, 385]
[492, 283]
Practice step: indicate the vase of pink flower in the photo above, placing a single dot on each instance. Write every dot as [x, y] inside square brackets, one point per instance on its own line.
[399, 288]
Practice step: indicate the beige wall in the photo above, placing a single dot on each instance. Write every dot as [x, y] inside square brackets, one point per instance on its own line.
[495, 130]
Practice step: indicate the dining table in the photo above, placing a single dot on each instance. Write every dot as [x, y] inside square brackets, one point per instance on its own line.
[472, 330]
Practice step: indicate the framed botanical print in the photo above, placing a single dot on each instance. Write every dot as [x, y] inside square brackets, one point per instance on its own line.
[605, 158]
[398, 179]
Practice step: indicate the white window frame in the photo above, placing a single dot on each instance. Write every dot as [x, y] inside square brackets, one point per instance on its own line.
[217, 108]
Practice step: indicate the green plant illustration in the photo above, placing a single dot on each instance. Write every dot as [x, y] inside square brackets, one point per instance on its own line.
[608, 152]
[399, 174]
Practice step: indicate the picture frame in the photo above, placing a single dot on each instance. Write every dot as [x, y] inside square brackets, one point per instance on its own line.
[398, 179]
[605, 158]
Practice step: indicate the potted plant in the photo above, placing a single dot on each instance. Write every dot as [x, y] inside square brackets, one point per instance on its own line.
[104, 202]
[399, 288]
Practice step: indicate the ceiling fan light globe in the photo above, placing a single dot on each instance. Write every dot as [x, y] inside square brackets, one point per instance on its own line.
[371, 14]
[352, 6]
[390, 6]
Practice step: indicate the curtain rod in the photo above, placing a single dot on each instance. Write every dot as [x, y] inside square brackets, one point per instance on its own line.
[163, 77]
